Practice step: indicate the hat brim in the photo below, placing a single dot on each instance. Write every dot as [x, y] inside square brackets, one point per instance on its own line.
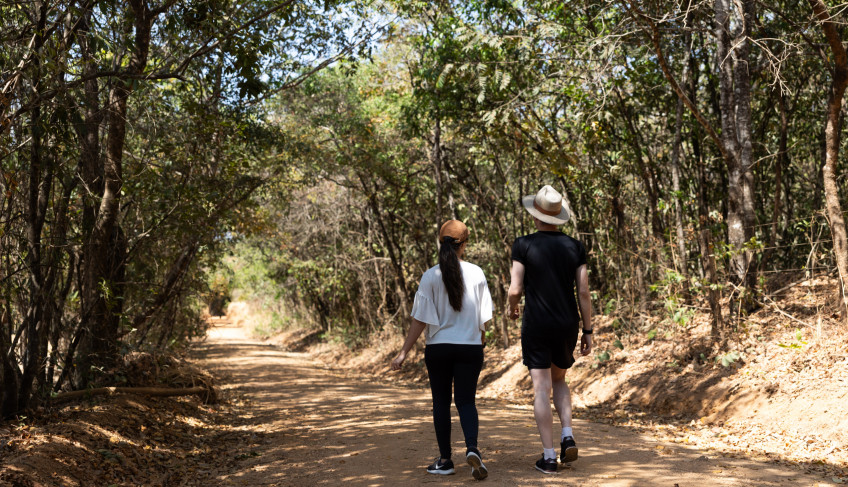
[558, 219]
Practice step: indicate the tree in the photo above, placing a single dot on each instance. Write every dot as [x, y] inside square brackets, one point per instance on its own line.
[832, 131]
[109, 215]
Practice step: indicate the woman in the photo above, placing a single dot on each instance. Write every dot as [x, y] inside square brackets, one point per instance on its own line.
[453, 304]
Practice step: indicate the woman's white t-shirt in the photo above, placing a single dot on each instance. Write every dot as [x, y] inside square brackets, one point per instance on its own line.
[444, 324]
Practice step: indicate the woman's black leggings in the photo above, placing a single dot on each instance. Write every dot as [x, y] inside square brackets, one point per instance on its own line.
[458, 365]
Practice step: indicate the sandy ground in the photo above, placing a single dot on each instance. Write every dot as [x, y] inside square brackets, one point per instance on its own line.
[317, 425]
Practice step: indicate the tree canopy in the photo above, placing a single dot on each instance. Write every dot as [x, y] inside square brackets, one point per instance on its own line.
[697, 146]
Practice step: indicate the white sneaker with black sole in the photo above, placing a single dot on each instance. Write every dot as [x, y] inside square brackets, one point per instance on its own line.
[478, 470]
[438, 468]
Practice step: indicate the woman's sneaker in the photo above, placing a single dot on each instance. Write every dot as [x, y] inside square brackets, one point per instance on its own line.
[546, 465]
[568, 453]
[440, 468]
[478, 470]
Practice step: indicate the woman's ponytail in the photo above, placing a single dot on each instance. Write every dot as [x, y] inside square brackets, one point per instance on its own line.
[451, 271]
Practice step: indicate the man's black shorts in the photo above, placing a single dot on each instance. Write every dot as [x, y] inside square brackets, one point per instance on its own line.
[540, 352]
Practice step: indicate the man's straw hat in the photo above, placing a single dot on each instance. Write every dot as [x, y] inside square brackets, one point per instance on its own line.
[546, 205]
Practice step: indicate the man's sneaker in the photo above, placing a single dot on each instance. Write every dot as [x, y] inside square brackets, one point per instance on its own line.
[439, 468]
[568, 453]
[546, 465]
[478, 470]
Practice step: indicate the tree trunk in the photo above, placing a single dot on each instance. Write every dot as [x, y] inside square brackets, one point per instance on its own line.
[833, 126]
[436, 162]
[645, 172]
[733, 53]
[208, 394]
[709, 263]
[781, 162]
[166, 293]
[394, 256]
[104, 256]
[9, 392]
[675, 181]
[734, 143]
[90, 171]
[40, 186]
[705, 241]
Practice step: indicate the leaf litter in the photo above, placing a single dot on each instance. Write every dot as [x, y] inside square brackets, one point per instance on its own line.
[128, 441]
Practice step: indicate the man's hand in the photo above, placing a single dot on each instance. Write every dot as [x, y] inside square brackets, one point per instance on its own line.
[516, 289]
[586, 344]
[398, 361]
[584, 302]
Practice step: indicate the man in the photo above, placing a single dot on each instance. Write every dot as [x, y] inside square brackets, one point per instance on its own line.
[546, 266]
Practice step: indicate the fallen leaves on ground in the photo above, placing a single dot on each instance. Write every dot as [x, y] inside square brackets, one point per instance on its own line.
[128, 441]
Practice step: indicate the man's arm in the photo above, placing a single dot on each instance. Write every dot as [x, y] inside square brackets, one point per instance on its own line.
[584, 302]
[516, 289]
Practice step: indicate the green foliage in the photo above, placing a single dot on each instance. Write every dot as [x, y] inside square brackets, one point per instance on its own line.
[797, 344]
[671, 287]
[679, 315]
[601, 357]
[729, 358]
[610, 306]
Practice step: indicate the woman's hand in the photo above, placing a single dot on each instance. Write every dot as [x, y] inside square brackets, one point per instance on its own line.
[398, 361]
[415, 330]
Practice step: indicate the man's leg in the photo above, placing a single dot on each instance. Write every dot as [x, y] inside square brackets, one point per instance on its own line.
[542, 405]
[562, 396]
[562, 402]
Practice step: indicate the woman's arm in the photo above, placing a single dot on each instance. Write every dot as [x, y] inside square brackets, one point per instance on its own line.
[415, 330]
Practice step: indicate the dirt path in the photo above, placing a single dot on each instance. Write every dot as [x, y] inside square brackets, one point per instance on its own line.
[315, 425]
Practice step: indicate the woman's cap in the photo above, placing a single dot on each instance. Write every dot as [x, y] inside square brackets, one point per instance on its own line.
[546, 205]
[455, 229]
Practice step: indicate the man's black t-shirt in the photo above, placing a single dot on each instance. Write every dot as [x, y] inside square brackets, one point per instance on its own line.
[551, 260]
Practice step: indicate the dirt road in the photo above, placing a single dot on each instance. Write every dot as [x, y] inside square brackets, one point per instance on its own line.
[318, 426]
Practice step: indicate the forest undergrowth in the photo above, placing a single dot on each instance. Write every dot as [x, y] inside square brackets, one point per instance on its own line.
[776, 389]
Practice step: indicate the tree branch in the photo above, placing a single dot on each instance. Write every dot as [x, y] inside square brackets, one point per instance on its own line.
[830, 33]
[654, 37]
[208, 394]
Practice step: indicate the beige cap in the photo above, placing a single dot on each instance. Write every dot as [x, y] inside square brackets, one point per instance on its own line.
[455, 229]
